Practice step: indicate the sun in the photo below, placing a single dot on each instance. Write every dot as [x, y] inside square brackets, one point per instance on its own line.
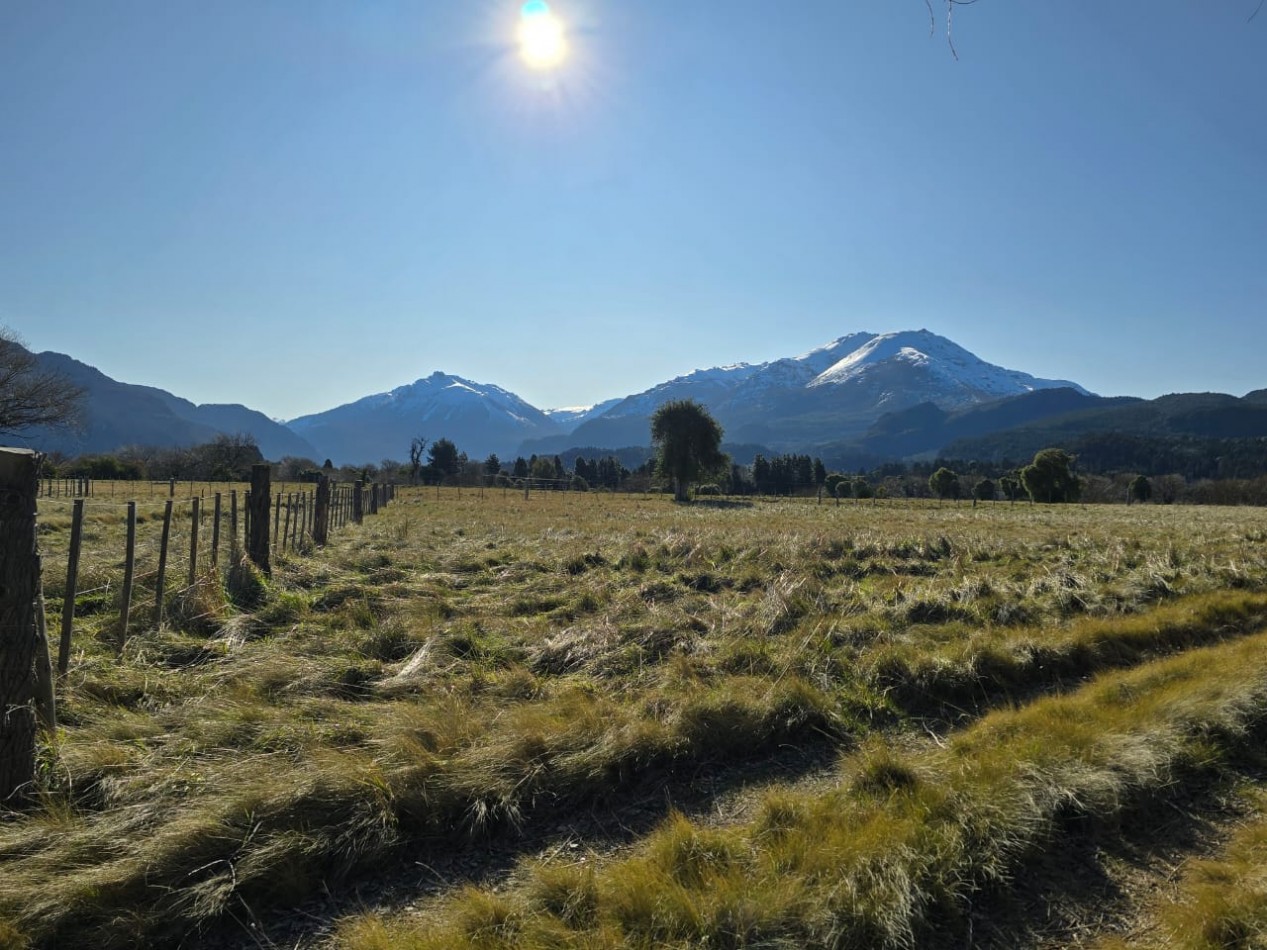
[542, 39]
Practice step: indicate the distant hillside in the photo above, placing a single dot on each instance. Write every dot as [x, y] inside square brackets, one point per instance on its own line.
[1139, 434]
[118, 414]
[927, 428]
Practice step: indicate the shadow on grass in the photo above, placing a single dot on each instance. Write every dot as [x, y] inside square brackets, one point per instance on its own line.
[428, 867]
[1101, 873]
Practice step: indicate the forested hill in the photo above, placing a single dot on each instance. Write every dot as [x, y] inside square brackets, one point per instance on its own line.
[927, 428]
[1202, 435]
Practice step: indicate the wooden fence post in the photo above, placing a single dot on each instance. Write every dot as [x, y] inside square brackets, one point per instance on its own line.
[215, 533]
[19, 576]
[233, 526]
[257, 542]
[162, 563]
[45, 692]
[72, 584]
[321, 511]
[129, 572]
[358, 502]
[193, 539]
[277, 522]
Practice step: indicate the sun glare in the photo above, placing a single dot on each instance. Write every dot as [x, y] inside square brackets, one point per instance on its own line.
[542, 40]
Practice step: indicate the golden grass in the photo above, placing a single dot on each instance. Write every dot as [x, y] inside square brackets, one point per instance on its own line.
[893, 854]
[472, 662]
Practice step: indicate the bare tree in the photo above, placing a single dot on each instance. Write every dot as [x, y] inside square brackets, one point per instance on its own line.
[30, 396]
[416, 447]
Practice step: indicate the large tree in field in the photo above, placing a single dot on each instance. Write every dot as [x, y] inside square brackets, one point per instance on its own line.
[1050, 477]
[443, 459]
[688, 443]
[944, 483]
[30, 396]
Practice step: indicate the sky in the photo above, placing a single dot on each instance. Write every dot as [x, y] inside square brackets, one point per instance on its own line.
[291, 204]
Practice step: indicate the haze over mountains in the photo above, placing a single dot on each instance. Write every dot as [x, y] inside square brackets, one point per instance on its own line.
[864, 396]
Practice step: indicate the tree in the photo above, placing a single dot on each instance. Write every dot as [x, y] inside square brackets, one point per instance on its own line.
[492, 464]
[443, 459]
[944, 483]
[417, 446]
[1141, 488]
[688, 443]
[30, 396]
[983, 490]
[1050, 477]
[226, 458]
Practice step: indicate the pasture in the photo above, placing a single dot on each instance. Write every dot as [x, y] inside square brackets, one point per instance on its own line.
[591, 720]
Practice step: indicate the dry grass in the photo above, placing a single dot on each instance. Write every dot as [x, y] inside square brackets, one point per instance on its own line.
[475, 662]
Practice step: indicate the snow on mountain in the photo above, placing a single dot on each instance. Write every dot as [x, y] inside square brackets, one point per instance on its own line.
[570, 417]
[480, 417]
[703, 385]
[958, 376]
[832, 392]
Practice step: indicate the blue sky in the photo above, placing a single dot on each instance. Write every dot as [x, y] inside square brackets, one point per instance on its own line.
[294, 204]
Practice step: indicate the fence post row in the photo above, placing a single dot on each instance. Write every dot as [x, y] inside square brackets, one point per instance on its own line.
[331, 505]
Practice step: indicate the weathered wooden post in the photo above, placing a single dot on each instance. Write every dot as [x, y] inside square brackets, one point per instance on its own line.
[215, 533]
[162, 564]
[129, 572]
[358, 502]
[193, 539]
[280, 539]
[45, 691]
[19, 577]
[257, 542]
[72, 583]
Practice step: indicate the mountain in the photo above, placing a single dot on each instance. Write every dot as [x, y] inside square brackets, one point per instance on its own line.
[479, 417]
[1168, 419]
[570, 417]
[831, 394]
[926, 428]
[868, 394]
[118, 414]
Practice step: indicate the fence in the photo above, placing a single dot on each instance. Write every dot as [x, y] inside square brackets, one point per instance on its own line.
[204, 529]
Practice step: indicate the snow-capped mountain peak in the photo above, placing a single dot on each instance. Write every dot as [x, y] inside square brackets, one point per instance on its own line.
[960, 375]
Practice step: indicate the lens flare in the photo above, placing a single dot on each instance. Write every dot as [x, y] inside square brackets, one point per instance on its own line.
[542, 39]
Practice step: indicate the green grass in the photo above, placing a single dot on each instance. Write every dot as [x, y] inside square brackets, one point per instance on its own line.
[482, 663]
[894, 853]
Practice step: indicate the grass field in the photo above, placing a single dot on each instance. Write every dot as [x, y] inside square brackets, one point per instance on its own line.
[586, 720]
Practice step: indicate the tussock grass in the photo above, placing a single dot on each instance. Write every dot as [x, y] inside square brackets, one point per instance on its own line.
[471, 664]
[1221, 902]
[893, 855]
